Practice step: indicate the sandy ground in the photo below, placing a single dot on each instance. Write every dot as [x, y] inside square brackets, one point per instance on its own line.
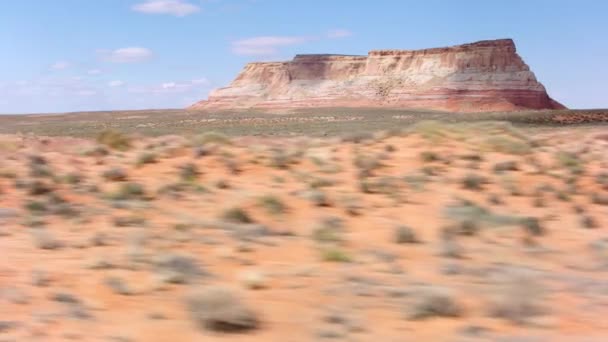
[509, 238]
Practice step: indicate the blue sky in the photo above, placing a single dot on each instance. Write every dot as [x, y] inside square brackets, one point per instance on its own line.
[73, 55]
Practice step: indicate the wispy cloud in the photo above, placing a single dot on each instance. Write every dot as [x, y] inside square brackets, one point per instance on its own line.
[126, 55]
[266, 45]
[94, 72]
[172, 87]
[61, 65]
[339, 33]
[116, 83]
[178, 8]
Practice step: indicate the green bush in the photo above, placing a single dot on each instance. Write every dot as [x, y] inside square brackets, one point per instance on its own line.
[114, 139]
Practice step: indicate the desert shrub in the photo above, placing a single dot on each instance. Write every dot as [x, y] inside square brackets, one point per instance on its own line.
[129, 191]
[405, 234]
[602, 179]
[219, 308]
[178, 269]
[588, 222]
[562, 195]
[37, 207]
[335, 254]
[210, 138]
[273, 205]
[518, 299]
[114, 139]
[357, 137]
[475, 157]
[506, 166]
[9, 174]
[118, 286]
[319, 182]
[317, 197]
[367, 163]
[129, 221]
[146, 158]
[43, 239]
[281, 158]
[352, 205]
[429, 156]
[97, 151]
[237, 215]
[37, 188]
[329, 230]
[532, 225]
[416, 181]
[473, 182]
[507, 144]
[384, 185]
[433, 301]
[599, 198]
[467, 227]
[73, 178]
[570, 161]
[431, 129]
[115, 174]
[538, 202]
[188, 172]
[39, 167]
[222, 184]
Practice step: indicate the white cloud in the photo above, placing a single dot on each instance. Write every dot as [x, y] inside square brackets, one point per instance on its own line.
[126, 55]
[266, 45]
[178, 8]
[116, 83]
[339, 33]
[60, 65]
[94, 72]
[171, 87]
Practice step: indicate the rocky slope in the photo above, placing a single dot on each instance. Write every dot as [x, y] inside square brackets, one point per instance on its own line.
[481, 76]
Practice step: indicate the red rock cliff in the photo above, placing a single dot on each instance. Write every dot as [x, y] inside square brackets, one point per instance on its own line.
[481, 76]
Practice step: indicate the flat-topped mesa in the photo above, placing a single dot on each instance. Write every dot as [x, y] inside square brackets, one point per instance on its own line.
[483, 76]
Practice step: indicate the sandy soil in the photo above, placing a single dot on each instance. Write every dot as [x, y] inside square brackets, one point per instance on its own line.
[440, 234]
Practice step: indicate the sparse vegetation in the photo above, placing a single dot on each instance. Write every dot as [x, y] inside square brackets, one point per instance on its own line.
[599, 198]
[115, 174]
[188, 172]
[305, 231]
[433, 301]
[329, 230]
[335, 254]
[146, 158]
[429, 156]
[273, 204]
[211, 138]
[473, 182]
[220, 308]
[236, 215]
[114, 139]
[129, 191]
[405, 234]
[519, 299]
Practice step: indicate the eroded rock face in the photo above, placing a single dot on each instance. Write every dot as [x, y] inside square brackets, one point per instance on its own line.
[481, 76]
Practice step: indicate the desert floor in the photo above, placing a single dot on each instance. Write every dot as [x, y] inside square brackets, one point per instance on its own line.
[437, 232]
